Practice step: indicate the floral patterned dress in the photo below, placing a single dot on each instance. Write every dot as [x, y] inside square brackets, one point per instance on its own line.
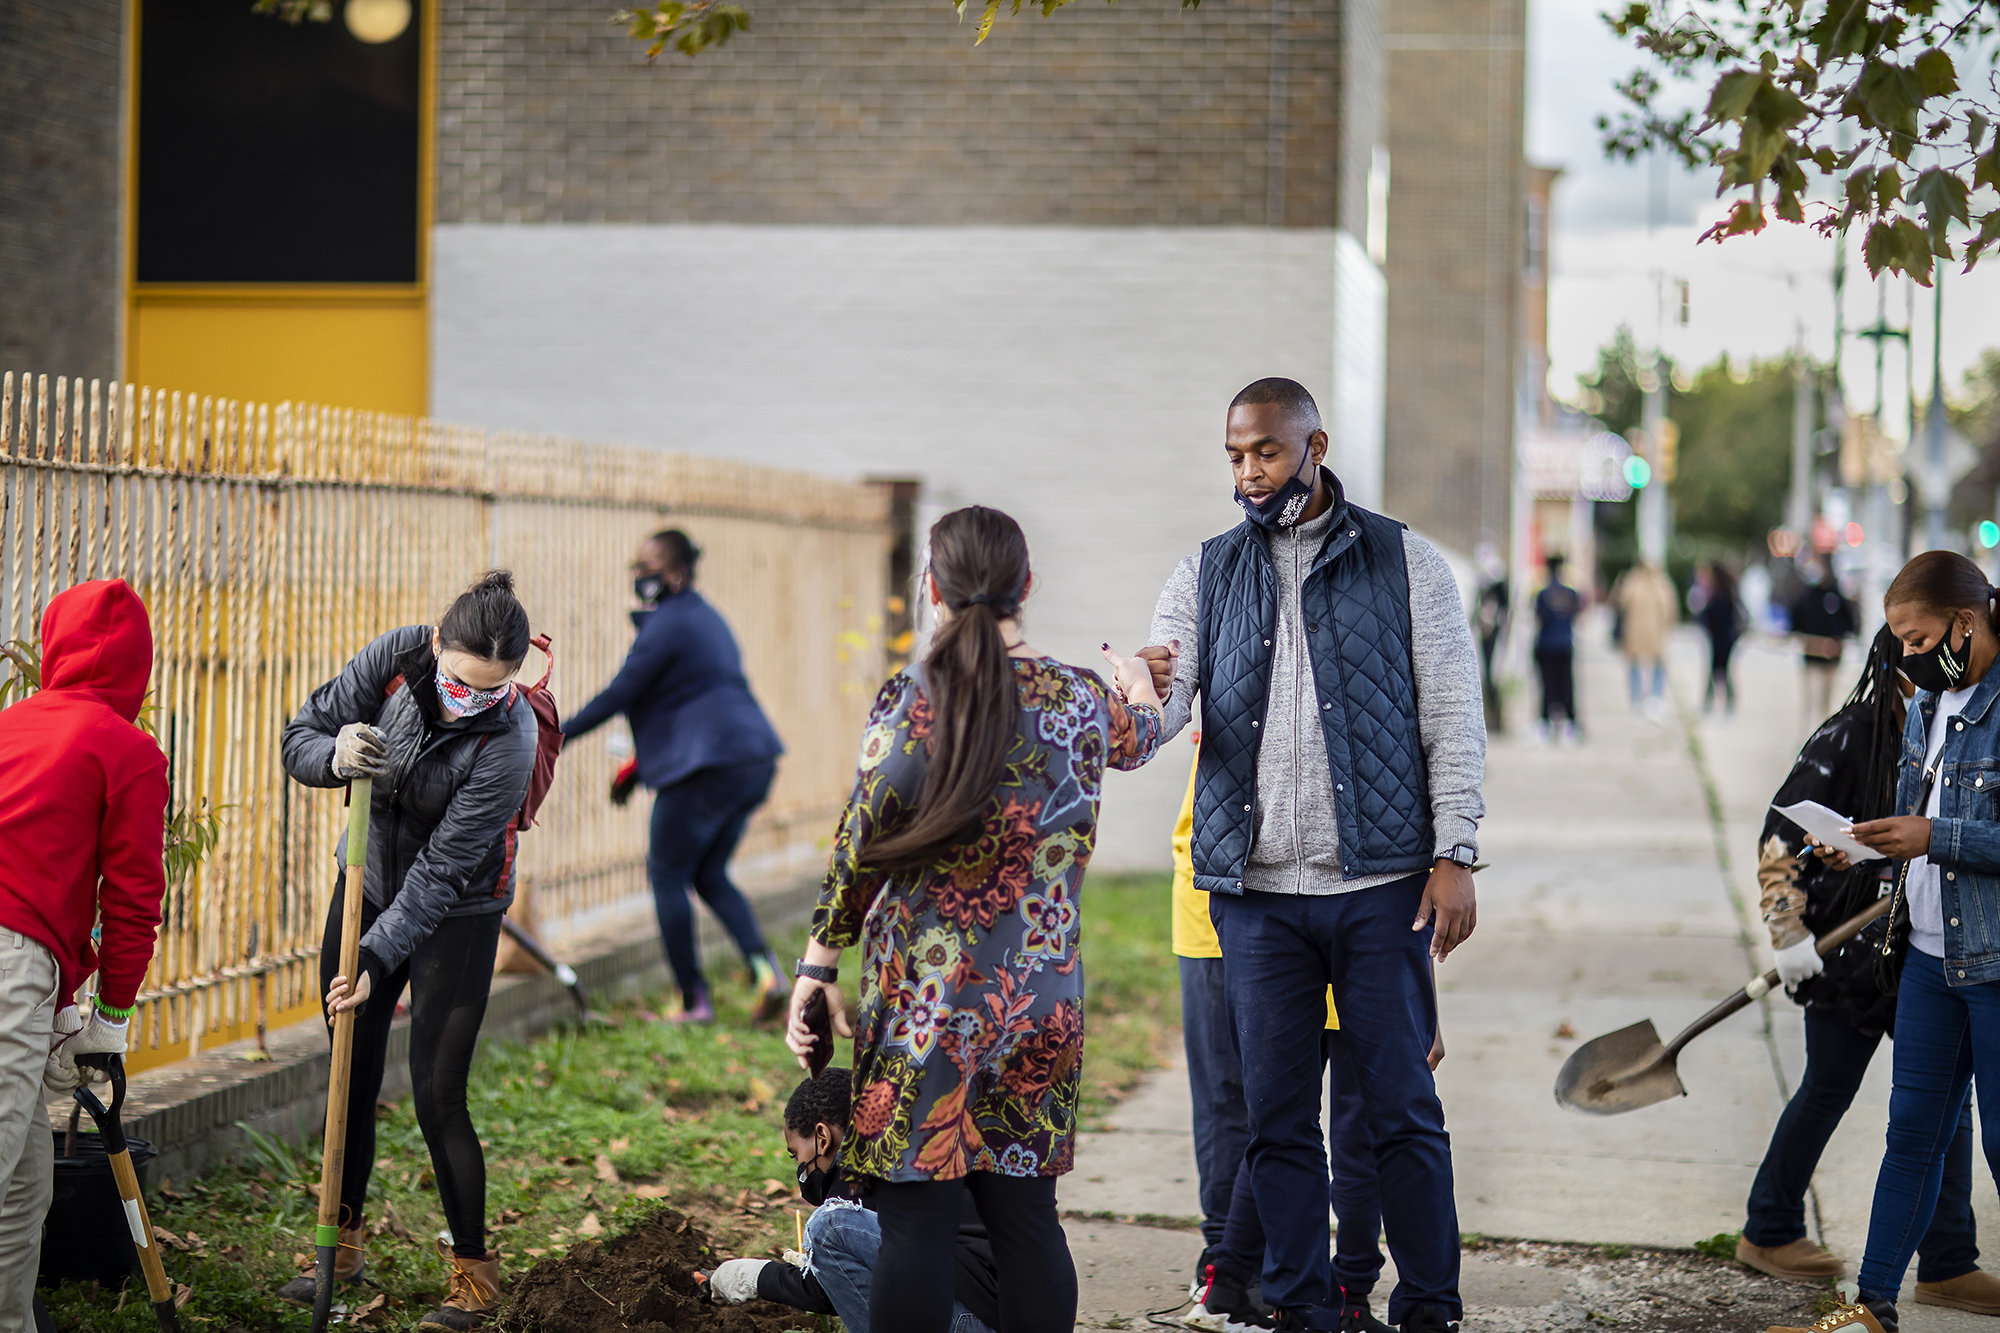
[968, 1048]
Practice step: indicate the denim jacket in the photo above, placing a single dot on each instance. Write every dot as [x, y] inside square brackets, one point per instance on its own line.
[1965, 836]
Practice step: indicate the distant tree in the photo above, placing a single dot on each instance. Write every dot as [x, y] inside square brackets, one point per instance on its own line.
[1871, 112]
[1735, 466]
[1976, 415]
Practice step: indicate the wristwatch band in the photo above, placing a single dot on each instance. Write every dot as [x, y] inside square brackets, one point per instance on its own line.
[829, 975]
[1464, 854]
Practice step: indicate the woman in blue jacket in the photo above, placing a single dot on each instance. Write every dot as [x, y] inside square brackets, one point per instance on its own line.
[707, 751]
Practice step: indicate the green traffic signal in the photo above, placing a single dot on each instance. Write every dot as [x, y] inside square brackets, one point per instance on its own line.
[1637, 472]
[1989, 534]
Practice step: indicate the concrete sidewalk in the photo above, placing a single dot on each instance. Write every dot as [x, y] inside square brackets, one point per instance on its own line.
[1612, 896]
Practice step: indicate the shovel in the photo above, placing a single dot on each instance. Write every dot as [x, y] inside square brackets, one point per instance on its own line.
[1627, 1069]
[563, 972]
[326, 1237]
[112, 1134]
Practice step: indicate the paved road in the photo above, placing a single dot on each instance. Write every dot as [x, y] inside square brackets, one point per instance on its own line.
[1610, 898]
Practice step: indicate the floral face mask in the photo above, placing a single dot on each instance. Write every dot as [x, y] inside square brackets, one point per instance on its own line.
[462, 701]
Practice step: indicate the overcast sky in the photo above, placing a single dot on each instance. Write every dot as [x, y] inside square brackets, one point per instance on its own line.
[1749, 296]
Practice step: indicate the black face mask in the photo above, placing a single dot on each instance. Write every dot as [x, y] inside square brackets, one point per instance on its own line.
[1938, 668]
[1282, 507]
[817, 1184]
[649, 587]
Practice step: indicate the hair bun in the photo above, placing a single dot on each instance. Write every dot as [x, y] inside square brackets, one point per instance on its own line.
[494, 580]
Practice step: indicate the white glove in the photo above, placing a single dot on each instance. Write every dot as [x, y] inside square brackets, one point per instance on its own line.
[360, 751]
[735, 1281]
[60, 1074]
[1797, 962]
[98, 1036]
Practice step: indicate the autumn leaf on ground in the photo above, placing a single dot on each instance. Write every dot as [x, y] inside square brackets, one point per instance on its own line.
[166, 1237]
[395, 1223]
[374, 1310]
[590, 1226]
[652, 1192]
[620, 1145]
[605, 1171]
[774, 1187]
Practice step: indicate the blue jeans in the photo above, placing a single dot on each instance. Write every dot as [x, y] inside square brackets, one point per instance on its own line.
[1946, 1037]
[1635, 677]
[697, 823]
[1837, 1057]
[1215, 1081]
[1281, 951]
[842, 1243]
[1357, 1192]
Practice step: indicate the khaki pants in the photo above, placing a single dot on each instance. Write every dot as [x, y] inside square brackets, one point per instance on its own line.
[28, 981]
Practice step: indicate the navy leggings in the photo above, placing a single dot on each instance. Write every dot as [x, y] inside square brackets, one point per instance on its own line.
[697, 823]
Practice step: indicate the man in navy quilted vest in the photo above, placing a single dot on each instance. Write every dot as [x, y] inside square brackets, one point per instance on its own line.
[1336, 811]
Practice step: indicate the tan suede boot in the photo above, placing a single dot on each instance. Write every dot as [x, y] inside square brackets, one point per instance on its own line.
[350, 1264]
[1800, 1261]
[1977, 1291]
[475, 1292]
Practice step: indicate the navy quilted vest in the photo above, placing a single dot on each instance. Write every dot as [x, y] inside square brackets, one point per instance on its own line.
[1356, 604]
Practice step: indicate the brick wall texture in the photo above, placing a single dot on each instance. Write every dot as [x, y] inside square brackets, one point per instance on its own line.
[59, 130]
[1455, 89]
[882, 111]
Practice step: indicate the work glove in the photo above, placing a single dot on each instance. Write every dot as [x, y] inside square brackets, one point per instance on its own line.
[624, 782]
[60, 1075]
[1797, 962]
[97, 1035]
[360, 751]
[735, 1281]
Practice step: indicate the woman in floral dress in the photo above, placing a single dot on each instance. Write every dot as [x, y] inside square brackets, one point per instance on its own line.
[957, 868]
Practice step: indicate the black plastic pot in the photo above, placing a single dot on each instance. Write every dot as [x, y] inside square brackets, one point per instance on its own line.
[86, 1237]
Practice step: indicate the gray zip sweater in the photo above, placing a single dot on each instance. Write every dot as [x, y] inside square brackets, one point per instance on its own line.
[1296, 846]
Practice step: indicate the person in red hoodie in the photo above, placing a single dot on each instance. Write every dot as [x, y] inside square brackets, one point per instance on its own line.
[83, 805]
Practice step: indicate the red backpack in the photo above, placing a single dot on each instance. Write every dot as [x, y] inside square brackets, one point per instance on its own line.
[548, 745]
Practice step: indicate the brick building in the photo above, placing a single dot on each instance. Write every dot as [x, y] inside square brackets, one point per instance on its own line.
[1028, 274]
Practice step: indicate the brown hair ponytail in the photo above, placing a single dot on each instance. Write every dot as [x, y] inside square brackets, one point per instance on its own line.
[979, 561]
[1943, 581]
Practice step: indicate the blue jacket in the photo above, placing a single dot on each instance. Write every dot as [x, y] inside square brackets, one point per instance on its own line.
[1356, 602]
[1965, 837]
[682, 688]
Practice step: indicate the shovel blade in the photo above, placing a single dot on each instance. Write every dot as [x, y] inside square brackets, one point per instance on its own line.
[1619, 1072]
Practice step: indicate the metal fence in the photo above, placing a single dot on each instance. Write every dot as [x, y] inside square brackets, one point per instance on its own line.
[272, 542]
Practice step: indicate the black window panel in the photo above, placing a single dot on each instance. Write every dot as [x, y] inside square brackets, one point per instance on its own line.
[274, 153]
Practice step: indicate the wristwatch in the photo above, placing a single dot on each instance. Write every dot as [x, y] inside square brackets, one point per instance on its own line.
[813, 972]
[1462, 855]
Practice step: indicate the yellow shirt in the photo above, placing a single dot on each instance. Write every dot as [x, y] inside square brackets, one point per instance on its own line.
[1194, 933]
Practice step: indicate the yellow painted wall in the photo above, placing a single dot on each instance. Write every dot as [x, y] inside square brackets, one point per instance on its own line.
[352, 349]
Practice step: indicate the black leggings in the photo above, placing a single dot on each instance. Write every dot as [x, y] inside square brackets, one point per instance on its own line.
[449, 976]
[916, 1269]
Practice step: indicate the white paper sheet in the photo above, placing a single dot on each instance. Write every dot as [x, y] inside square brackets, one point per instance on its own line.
[1828, 825]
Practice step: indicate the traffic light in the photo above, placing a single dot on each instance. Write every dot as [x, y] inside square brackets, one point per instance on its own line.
[1989, 534]
[1637, 472]
[1666, 449]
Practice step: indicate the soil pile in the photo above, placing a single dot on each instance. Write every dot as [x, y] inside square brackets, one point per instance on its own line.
[643, 1282]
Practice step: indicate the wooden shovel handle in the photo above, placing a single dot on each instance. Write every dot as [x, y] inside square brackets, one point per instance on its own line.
[1825, 945]
[333, 1163]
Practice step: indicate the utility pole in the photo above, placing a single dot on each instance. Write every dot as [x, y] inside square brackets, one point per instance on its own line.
[1799, 512]
[1935, 484]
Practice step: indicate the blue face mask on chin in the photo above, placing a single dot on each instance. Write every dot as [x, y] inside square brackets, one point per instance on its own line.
[1282, 507]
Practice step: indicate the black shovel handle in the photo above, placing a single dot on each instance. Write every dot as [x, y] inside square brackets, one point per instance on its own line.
[111, 1132]
[1765, 984]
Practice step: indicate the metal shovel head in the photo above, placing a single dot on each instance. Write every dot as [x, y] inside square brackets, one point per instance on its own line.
[1619, 1072]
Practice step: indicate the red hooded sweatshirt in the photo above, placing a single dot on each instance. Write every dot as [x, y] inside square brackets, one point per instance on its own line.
[83, 794]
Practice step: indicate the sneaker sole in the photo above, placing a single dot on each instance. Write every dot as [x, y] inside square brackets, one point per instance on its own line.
[1949, 1303]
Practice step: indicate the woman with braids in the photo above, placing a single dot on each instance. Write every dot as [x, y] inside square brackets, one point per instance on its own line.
[431, 714]
[1944, 832]
[957, 867]
[1848, 765]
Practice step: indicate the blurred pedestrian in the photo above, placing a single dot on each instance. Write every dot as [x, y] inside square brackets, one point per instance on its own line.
[1721, 616]
[83, 816]
[959, 859]
[709, 754]
[1824, 619]
[1647, 610]
[1848, 765]
[1948, 900]
[1557, 606]
[1489, 618]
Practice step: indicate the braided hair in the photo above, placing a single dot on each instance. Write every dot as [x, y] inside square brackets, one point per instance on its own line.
[1877, 690]
[820, 1101]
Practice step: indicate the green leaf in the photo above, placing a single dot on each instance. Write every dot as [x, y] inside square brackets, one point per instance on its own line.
[1880, 249]
[1860, 190]
[1730, 99]
[1935, 74]
[1987, 170]
[1944, 199]
[1888, 187]
[1975, 129]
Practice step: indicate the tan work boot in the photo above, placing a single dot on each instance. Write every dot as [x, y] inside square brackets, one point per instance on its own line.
[350, 1264]
[1853, 1318]
[1977, 1291]
[475, 1292]
[1800, 1261]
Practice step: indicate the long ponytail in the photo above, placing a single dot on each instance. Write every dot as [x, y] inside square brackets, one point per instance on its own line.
[979, 561]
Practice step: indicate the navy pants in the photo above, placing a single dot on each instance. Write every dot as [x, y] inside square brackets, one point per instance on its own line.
[1215, 1081]
[1946, 1037]
[1281, 952]
[1837, 1057]
[1357, 1191]
[697, 823]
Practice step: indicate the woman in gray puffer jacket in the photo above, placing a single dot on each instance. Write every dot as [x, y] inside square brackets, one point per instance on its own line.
[433, 717]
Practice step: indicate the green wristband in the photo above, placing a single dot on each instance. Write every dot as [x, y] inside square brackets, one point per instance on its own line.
[109, 1012]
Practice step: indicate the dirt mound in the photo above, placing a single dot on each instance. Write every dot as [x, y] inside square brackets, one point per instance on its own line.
[643, 1282]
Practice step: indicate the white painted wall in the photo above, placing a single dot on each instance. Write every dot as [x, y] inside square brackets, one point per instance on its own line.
[1075, 377]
